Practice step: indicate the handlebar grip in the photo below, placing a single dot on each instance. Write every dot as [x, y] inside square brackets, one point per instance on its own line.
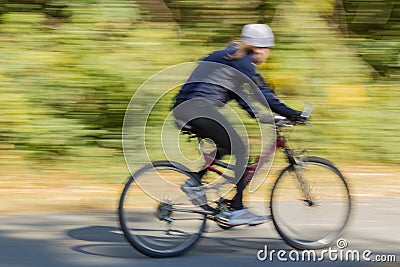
[307, 111]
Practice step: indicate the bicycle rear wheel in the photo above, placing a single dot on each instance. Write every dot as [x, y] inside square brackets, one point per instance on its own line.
[311, 214]
[155, 215]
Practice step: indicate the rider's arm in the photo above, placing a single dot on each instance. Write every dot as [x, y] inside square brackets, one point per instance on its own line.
[274, 103]
[245, 66]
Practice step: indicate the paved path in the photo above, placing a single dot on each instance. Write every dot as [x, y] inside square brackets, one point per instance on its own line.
[93, 239]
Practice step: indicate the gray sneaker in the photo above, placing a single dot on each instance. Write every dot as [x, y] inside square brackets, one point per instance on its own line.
[196, 193]
[244, 216]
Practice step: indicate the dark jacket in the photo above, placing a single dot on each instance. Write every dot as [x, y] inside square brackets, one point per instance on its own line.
[245, 65]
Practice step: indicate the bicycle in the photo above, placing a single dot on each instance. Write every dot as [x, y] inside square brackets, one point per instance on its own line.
[175, 224]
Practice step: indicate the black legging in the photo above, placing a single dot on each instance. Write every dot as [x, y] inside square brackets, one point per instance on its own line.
[207, 122]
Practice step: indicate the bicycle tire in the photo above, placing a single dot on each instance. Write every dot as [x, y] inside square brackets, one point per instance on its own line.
[149, 234]
[321, 175]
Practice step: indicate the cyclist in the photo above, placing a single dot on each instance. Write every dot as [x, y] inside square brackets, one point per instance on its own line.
[251, 49]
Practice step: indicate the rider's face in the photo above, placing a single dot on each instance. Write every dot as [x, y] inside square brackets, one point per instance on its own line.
[260, 54]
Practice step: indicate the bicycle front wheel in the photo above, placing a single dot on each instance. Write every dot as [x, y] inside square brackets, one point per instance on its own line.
[155, 215]
[310, 204]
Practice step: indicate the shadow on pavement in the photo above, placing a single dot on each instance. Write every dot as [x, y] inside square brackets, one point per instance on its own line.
[110, 242]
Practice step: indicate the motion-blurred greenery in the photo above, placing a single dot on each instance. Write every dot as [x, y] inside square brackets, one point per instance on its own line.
[69, 68]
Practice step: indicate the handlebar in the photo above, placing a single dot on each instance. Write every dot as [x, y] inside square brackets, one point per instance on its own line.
[281, 121]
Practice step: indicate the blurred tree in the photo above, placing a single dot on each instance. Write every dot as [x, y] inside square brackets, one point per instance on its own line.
[374, 26]
[54, 10]
[69, 85]
[156, 10]
[64, 97]
[210, 21]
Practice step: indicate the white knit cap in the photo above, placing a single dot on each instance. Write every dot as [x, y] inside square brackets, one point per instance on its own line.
[258, 35]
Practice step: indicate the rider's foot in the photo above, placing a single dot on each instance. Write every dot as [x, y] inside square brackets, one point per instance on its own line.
[245, 216]
[195, 192]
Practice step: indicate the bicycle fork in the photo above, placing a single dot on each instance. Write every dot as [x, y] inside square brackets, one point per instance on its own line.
[298, 168]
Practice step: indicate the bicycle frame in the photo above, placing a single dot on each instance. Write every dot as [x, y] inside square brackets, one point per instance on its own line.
[280, 142]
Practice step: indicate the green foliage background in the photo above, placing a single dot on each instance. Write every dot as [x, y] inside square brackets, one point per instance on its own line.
[69, 68]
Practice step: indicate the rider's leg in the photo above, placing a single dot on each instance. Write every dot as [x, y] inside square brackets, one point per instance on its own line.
[208, 122]
[237, 200]
[225, 138]
[228, 142]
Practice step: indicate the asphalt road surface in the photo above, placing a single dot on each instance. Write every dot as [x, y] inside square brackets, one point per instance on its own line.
[93, 238]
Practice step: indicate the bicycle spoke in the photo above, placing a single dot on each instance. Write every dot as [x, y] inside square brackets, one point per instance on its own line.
[166, 229]
[310, 209]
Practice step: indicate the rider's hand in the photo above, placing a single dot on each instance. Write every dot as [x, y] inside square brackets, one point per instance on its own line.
[265, 118]
[298, 118]
[301, 119]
